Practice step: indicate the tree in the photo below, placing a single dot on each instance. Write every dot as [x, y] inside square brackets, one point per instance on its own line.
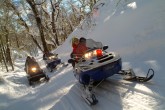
[2, 52]
[43, 21]
[8, 51]
[56, 5]
[39, 23]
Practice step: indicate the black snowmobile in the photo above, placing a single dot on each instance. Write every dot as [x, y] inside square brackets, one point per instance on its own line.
[34, 72]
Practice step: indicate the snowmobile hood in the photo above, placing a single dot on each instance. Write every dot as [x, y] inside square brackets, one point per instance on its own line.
[87, 65]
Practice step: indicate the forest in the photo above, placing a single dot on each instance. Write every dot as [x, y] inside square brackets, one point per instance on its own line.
[29, 26]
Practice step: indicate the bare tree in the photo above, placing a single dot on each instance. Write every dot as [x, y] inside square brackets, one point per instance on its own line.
[52, 21]
[55, 6]
[39, 23]
[2, 50]
[8, 51]
[23, 23]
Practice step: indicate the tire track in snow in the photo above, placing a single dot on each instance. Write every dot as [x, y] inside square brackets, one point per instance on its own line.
[72, 100]
[114, 93]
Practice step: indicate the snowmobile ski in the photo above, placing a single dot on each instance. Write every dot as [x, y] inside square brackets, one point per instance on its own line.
[131, 76]
[88, 94]
[91, 100]
[64, 64]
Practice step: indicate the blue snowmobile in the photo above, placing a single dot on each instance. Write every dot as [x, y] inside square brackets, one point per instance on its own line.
[96, 65]
[52, 61]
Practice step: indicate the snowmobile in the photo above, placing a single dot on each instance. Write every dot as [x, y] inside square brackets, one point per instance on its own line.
[52, 61]
[35, 74]
[96, 65]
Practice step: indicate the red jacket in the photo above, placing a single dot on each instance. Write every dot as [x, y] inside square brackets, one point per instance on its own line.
[80, 50]
[74, 47]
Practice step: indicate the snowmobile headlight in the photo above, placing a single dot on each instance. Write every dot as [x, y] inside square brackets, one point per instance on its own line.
[51, 57]
[88, 55]
[34, 69]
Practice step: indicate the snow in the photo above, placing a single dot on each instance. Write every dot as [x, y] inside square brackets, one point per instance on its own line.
[132, 28]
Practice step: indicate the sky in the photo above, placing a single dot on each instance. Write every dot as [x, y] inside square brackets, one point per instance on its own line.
[135, 30]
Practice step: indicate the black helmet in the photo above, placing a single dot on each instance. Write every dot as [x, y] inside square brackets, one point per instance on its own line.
[28, 57]
[82, 39]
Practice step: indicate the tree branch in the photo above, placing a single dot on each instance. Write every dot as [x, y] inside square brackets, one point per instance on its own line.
[40, 3]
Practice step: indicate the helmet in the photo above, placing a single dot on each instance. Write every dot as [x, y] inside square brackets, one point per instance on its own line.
[28, 57]
[74, 39]
[82, 39]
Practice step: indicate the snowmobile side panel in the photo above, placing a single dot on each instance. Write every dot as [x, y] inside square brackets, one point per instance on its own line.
[54, 63]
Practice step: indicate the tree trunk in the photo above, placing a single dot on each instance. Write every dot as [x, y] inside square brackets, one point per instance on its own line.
[94, 1]
[20, 18]
[39, 23]
[54, 30]
[26, 26]
[9, 58]
[35, 41]
[53, 24]
[8, 53]
[3, 54]
[17, 42]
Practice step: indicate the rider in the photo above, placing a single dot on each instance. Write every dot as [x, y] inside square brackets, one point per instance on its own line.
[46, 55]
[75, 42]
[30, 61]
[81, 48]
[83, 45]
[51, 60]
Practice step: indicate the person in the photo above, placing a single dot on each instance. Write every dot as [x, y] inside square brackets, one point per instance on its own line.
[75, 42]
[78, 51]
[81, 48]
[46, 55]
[87, 43]
[51, 60]
[30, 61]
[33, 59]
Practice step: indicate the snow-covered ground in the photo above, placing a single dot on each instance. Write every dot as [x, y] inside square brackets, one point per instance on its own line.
[133, 28]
